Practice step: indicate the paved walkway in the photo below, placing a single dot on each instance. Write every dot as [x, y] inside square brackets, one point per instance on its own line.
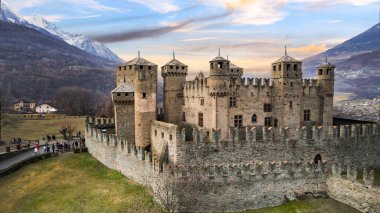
[17, 158]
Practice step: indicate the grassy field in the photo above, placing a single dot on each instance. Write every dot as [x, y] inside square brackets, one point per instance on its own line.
[309, 206]
[72, 183]
[79, 183]
[33, 129]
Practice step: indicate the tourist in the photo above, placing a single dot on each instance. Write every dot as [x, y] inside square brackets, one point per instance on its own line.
[36, 150]
[76, 144]
[53, 148]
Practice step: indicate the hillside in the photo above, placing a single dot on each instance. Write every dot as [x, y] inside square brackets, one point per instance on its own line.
[34, 65]
[357, 63]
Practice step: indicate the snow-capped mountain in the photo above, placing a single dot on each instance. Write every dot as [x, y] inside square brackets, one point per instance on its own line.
[78, 40]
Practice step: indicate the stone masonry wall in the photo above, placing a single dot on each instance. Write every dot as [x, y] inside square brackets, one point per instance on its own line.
[348, 189]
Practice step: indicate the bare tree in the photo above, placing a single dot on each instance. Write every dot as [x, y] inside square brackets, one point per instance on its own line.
[7, 121]
[178, 193]
[106, 108]
[75, 101]
[67, 129]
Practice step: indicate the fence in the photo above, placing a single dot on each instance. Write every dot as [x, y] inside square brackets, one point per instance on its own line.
[19, 146]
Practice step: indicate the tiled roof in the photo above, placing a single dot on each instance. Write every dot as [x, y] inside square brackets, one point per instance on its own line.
[124, 87]
[233, 66]
[175, 62]
[286, 58]
[219, 58]
[140, 61]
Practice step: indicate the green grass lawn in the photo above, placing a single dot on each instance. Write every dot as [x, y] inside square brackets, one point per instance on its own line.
[72, 183]
[309, 206]
[33, 129]
[80, 183]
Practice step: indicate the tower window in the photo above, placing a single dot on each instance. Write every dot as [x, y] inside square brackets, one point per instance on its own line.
[211, 65]
[291, 104]
[274, 68]
[171, 67]
[183, 68]
[275, 122]
[254, 118]
[238, 121]
[232, 101]
[306, 115]
[177, 67]
[291, 84]
[200, 119]
[141, 67]
[267, 107]
[126, 94]
[130, 67]
[149, 67]
[202, 101]
[118, 94]
[328, 71]
[267, 121]
[287, 67]
[144, 95]
[183, 116]
[220, 65]
[295, 67]
[320, 72]
[162, 135]
[279, 67]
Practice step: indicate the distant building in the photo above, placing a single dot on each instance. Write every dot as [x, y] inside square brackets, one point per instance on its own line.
[23, 105]
[45, 108]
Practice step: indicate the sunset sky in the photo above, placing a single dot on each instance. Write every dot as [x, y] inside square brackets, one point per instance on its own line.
[252, 32]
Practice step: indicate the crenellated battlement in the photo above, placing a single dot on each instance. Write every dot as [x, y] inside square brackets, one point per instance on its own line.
[351, 173]
[310, 83]
[257, 170]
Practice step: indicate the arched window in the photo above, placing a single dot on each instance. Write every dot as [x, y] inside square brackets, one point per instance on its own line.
[317, 158]
[254, 118]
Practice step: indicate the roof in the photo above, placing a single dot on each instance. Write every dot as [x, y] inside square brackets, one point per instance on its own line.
[124, 87]
[140, 61]
[25, 101]
[286, 58]
[175, 62]
[219, 58]
[233, 66]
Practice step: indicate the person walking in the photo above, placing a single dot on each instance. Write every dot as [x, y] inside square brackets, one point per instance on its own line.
[53, 148]
[35, 150]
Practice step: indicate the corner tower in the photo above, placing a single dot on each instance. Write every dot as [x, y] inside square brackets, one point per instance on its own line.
[123, 99]
[287, 92]
[144, 75]
[174, 74]
[325, 79]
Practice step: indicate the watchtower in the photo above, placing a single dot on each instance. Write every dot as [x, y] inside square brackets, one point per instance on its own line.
[123, 99]
[218, 88]
[174, 74]
[287, 92]
[145, 95]
[325, 79]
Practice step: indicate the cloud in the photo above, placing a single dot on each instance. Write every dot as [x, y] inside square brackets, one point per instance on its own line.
[334, 21]
[198, 39]
[308, 49]
[160, 6]
[154, 31]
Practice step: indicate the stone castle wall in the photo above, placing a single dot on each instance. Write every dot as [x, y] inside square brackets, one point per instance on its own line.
[349, 189]
[241, 173]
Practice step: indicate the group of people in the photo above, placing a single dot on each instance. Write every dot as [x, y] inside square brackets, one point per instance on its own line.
[60, 147]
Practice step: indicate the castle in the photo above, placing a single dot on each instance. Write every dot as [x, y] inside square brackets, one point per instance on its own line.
[255, 142]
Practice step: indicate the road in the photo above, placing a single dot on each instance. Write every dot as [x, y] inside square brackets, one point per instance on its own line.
[17, 158]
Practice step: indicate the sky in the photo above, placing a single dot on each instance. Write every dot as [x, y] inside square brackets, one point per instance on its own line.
[252, 33]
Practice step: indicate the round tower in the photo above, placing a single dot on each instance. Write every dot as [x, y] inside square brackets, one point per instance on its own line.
[219, 80]
[174, 74]
[145, 83]
[325, 79]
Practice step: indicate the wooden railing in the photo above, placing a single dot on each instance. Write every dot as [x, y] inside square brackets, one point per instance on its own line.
[19, 146]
